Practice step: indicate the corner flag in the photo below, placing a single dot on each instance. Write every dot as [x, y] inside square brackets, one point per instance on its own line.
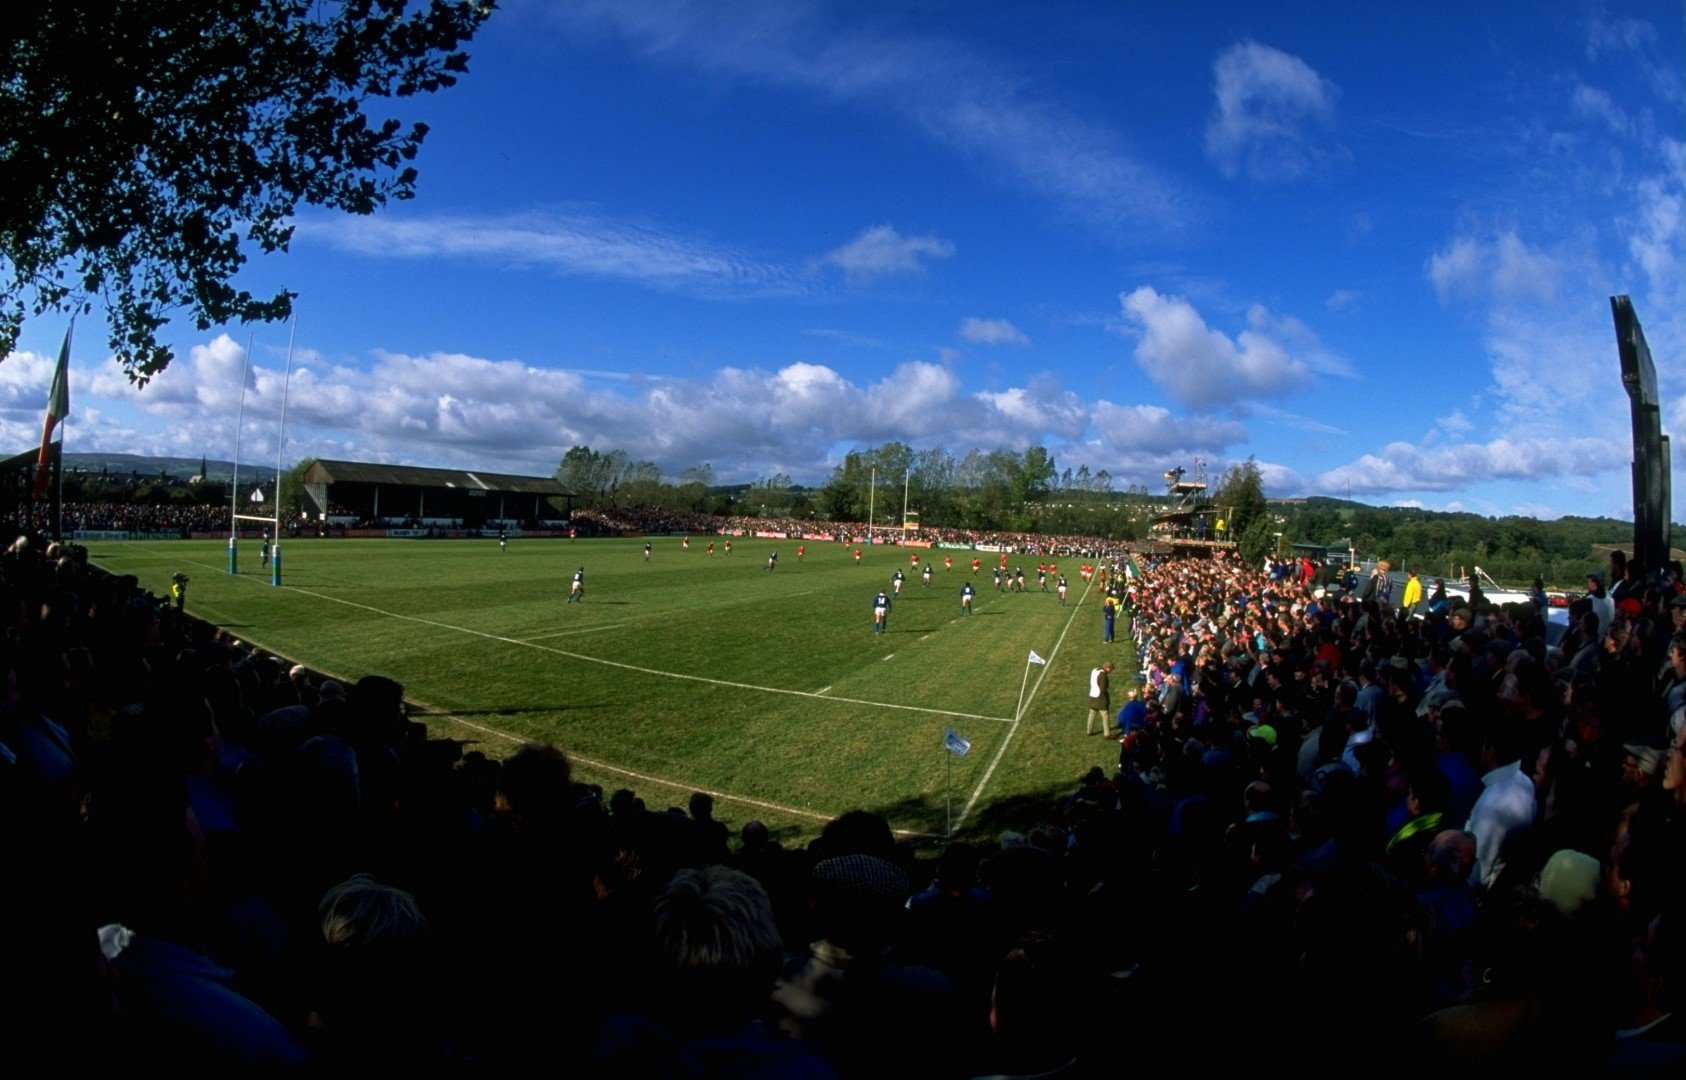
[1036, 659]
[955, 743]
[58, 407]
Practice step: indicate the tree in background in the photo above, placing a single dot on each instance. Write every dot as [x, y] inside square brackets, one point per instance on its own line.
[147, 146]
[292, 485]
[769, 496]
[1241, 495]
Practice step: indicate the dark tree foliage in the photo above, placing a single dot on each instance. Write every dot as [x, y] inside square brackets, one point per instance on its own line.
[148, 146]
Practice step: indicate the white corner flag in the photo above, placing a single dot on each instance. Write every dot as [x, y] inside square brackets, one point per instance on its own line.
[956, 743]
[257, 494]
[1036, 659]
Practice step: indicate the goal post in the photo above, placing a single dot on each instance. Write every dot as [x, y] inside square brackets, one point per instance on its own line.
[273, 518]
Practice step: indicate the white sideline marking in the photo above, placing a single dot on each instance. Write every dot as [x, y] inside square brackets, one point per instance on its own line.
[1002, 749]
[631, 667]
[565, 633]
[432, 712]
[821, 690]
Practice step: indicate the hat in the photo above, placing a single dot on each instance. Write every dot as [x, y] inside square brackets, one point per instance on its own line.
[1648, 756]
[1464, 613]
[1265, 734]
[1569, 880]
[863, 878]
[1595, 575]
[1679, 601]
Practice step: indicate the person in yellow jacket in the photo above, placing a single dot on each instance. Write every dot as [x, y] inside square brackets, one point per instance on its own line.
[178, 590]
[1413, 593]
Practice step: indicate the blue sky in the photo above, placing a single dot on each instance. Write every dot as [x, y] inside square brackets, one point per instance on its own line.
[1374, 251]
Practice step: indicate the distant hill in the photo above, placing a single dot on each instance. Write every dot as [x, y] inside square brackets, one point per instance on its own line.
[174, 467]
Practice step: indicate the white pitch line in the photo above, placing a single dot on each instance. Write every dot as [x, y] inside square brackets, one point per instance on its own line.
[568, 633]
[762, 804]
[1002, 749]
[432, 711]
[821, 690]
[634, 667]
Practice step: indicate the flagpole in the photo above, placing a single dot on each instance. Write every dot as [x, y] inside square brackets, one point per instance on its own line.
[58, 490]
[234, 482]
[948, 832]
[64, 429]
[280, 449]
[1019, 710]
[58, 412]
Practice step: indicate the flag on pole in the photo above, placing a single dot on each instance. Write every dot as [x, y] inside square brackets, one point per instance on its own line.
[1036, 659]
[58, 407]
[257, 494]
[955, 743]
[1131, 570]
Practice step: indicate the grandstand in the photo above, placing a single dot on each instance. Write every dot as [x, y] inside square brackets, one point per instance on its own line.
[348, 492]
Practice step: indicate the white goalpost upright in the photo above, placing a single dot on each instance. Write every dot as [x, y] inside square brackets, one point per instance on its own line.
[273, 518]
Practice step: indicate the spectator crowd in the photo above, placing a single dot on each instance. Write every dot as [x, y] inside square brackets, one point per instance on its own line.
[1337, 840]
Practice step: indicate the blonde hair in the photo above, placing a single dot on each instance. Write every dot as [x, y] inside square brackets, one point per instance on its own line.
[360, 911]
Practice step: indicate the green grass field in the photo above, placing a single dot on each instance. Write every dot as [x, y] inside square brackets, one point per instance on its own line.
[694, 673]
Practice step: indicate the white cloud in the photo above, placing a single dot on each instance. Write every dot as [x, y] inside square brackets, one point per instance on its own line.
[1504, 267]
[1654, 241]
[881, 252]
[1402, 466]
[992, 332]
[452, 409]
[1454, 423]
[570, 242]
[1202, 367]
[1154, 430]
[1041, 405]
[1606, 36]
[1269, 111]
[1455, 271]
[1299, 338]
[1341, 300]
[1591, 103]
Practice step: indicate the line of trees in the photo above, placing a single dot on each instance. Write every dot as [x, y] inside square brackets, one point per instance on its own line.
[1024, 491]
[1513, 550]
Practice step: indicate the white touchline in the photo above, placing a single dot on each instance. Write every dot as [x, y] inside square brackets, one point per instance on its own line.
[628, 772]
[1002, 749]
[567, 633]
[633, 667]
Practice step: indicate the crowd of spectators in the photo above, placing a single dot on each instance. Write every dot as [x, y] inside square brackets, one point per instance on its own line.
[1465, 843]
[158, 519]
[1336, 841]
[656, 520]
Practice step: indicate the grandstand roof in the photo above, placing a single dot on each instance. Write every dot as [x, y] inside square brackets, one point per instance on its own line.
[359, 472]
